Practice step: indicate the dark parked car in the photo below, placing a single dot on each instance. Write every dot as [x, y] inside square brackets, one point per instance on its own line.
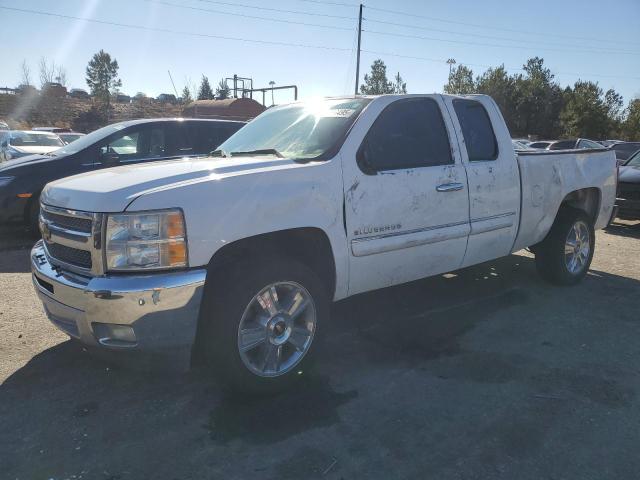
[68, 137]
[625, 149]
[628, 198]
[572, 144]
[79, 93]
[22, 180]
[541, 145]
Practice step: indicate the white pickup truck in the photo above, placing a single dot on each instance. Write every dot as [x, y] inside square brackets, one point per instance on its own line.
[238, 255]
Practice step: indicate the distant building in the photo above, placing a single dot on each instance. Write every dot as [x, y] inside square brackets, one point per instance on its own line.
[229, 109]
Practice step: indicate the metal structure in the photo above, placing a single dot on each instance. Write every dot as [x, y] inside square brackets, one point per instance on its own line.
[242, 87]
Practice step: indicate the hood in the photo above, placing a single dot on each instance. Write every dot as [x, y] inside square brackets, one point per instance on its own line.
[16, 162]
[629, 175]
[113, 189]
[31, 149]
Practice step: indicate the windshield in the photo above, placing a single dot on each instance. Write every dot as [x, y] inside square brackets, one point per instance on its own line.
[89, 139]
[27, 139]
[634, 161]
[300, 130]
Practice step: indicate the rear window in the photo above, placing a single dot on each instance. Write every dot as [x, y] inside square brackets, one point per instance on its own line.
[477, 130]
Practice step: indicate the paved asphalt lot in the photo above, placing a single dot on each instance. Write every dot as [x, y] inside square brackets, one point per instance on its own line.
[485, 373]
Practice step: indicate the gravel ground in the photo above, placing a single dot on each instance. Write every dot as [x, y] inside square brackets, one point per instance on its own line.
[484, 373]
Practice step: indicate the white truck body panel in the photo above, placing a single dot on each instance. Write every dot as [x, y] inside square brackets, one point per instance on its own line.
[383, 229]
[548, 177]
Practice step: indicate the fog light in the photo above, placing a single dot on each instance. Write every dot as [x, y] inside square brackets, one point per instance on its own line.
[114, 335]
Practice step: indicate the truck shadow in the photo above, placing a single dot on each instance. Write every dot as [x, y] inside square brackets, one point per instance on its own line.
[624, 228]
[63, 398]
[15, 244]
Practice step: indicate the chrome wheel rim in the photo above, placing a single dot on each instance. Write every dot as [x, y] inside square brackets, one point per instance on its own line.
[577, 247]
[276, 329]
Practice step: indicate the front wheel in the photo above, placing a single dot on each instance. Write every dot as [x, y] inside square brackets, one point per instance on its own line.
[565, 254]
[260, 323]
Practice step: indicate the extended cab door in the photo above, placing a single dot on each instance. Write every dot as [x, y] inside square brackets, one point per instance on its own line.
[405, 192]
[494, 179]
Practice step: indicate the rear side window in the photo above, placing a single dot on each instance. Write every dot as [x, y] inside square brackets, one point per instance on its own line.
[408, 134]
[477, 130]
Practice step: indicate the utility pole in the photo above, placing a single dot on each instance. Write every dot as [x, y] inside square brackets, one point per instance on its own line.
[358, 55]
[174, 85]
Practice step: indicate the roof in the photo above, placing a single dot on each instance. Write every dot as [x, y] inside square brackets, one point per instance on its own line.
[230, 108]
[140, 121]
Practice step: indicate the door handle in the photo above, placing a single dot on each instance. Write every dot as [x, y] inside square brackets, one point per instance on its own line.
[449, 187]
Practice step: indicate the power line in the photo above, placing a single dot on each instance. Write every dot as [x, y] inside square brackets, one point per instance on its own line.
[439, 60]
[339, 4]
[174, 32]
[279, 20]
[492, 27]
[479, 35]
[520, 47]
[278, 10]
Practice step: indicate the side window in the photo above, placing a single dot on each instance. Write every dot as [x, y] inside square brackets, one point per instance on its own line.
[143, 144]
[408, 134]
[477, 130]
[184, 138]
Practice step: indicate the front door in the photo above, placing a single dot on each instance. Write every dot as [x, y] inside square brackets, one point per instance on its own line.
[406, 194]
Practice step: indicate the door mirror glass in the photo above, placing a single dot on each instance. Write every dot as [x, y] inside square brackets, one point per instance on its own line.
[5, 144]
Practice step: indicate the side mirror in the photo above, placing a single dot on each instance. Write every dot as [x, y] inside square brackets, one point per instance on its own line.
[109, 158]
[363, 162]
[4, 144]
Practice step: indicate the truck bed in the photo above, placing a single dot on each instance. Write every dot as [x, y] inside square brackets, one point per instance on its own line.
[547, 177]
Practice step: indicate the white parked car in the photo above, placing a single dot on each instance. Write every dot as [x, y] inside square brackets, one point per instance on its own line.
[238, 255]
[18, 143]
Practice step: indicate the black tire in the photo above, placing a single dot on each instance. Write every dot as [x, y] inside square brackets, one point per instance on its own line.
[227, 294]
[551, 260]
[34, 218]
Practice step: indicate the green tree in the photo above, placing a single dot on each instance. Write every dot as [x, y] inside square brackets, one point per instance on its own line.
[631, 124]
[585, 113]
[222, 90]
[460, 81]
[186, 95]
[102, 77]
[497, 83]
[539, 101]
[399, 85]
[377, 83]
[205, 92]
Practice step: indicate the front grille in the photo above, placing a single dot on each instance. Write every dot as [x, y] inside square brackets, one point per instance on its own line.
[77, 224]
[72, 256]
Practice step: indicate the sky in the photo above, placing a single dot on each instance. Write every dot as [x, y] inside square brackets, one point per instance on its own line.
[311, 43]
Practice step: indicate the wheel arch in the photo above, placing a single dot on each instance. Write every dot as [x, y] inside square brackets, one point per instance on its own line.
[308, 245]
[586, 199]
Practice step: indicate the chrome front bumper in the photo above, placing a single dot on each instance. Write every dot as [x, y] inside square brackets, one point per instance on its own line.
[154, 314]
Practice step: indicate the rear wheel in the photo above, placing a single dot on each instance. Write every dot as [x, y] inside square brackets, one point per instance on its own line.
[565, 254]
[260, 323]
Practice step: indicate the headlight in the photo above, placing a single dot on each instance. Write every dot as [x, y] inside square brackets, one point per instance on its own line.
[4, 181]
[146, 241]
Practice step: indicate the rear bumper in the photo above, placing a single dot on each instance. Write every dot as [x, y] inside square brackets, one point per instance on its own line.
[147, 319]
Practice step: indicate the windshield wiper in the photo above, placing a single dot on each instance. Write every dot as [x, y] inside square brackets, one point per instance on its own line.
[219, 153]
[263, 151]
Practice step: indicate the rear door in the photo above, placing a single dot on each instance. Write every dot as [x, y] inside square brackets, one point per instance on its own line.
[494, 179]
[405, 193]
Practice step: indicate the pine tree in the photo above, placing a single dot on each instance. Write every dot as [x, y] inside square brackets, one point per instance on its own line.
[186, 95]
[102, 77]
[222, 90]
[399, 85]
[205, 92]
[377, 83]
